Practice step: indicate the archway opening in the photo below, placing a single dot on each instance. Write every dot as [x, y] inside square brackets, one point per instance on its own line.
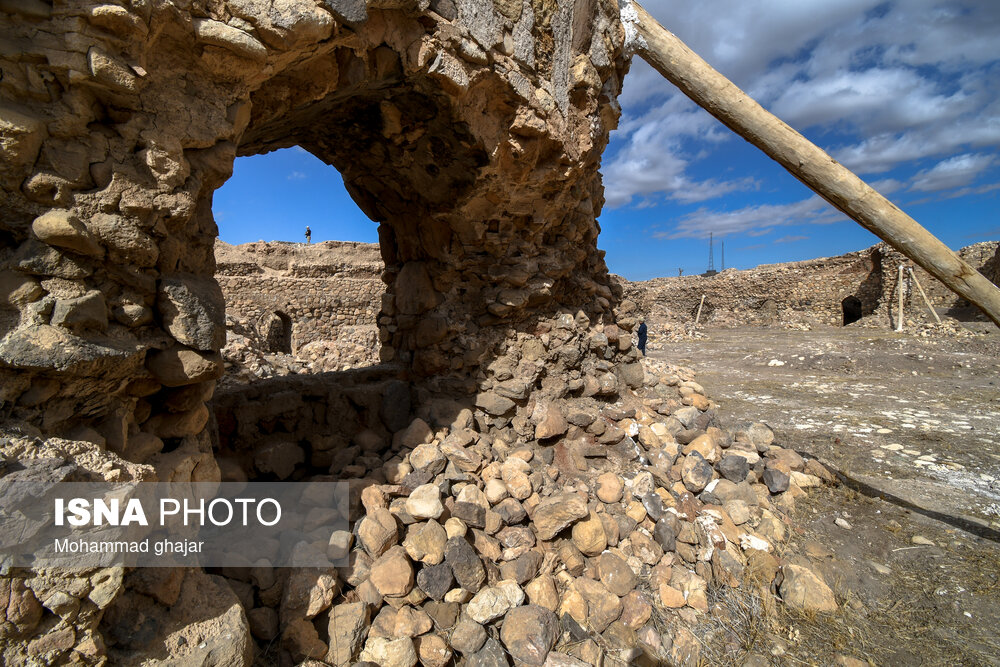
[304, 303]
[851, 308]
[278, 333]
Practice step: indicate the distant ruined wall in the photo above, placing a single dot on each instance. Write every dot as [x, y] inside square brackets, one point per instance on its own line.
[795, 292]
[317, 294]
[810, 292]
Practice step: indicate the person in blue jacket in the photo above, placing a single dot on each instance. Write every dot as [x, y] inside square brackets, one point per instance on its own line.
[642, 337]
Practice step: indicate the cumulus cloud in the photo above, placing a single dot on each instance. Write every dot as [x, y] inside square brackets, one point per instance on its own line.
[955, 172]
[752, 220]
[653, 160]
[881, 85]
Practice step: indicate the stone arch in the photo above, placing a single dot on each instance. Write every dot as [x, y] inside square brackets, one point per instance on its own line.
[851, 309]
[470, 132]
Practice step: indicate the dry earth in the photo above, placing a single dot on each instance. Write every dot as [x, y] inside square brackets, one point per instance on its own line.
[912, 423]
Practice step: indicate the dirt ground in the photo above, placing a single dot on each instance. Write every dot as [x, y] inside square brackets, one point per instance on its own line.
[913, 425]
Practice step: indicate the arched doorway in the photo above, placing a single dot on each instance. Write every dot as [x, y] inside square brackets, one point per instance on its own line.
[851, 307]
[277, 333]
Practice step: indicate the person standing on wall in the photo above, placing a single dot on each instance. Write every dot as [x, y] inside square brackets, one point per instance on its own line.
[643, 332]
[309, 234]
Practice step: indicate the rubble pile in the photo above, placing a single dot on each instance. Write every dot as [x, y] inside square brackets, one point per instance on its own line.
[246, 357]
[472, 545]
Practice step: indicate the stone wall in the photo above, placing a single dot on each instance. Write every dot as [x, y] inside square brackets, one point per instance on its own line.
[806, 293]
[470, 131]
[295, 294]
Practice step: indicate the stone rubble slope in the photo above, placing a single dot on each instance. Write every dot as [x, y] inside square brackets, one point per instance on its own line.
[469, 548]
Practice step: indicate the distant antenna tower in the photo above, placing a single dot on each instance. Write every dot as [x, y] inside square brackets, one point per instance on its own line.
[711, 257]
[723, 242]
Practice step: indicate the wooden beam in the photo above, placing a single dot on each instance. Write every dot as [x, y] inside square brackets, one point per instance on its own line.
[828, 178]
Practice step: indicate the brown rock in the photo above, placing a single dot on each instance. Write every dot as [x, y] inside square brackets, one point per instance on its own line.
[410, 622]
[529, 633]
[549, 420]
[610, 487]
[433, 651]
[803, 589]
[425, 542]
[541, 591]
[635, 610]
[696, 473]
[347, 630]
[555, 513]
[302, 641]
[378, 531]
[615, 574]
[671, 597]
[589, 536]
[392, 574]
[603, 607]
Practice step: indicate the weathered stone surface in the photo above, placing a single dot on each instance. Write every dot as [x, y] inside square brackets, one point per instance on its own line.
[610, 487]
[424, 502]
[206, 625]
[178, 366]
[193, 311]
[392, 573]
[465, 564]
[378, 531]
[803, 589]
[21, 609]
[734, 468]
[433, 651]
[435, 580]
[89, 311]
[556, 513]
[468, 636]
[615, 574]
[63, 229]
[695, 472]
[589, 536]
[426, 542]
[776, 481]
[529, 633]
[390, 652]
[603, 607]
[495, 601]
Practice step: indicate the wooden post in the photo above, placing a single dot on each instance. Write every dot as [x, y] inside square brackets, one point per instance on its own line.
[926, 300]
[698, 316]
[828, 178]
[899, 312]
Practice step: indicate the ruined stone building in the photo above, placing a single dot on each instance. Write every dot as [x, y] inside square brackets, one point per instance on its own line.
[470, 132]
[828, 291]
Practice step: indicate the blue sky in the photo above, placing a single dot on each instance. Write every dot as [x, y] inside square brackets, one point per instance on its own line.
[907, 94]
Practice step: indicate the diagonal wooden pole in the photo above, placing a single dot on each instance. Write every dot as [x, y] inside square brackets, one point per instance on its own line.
[828, 178]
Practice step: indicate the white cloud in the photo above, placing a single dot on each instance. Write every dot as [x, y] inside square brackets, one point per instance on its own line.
[887, 186]
[752, 220]
[882, 84]
[296, 176]
[653, 161]
[955, 172]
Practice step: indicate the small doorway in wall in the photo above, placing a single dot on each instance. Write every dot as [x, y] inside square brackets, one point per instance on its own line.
[851, 307]
[277, 333]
